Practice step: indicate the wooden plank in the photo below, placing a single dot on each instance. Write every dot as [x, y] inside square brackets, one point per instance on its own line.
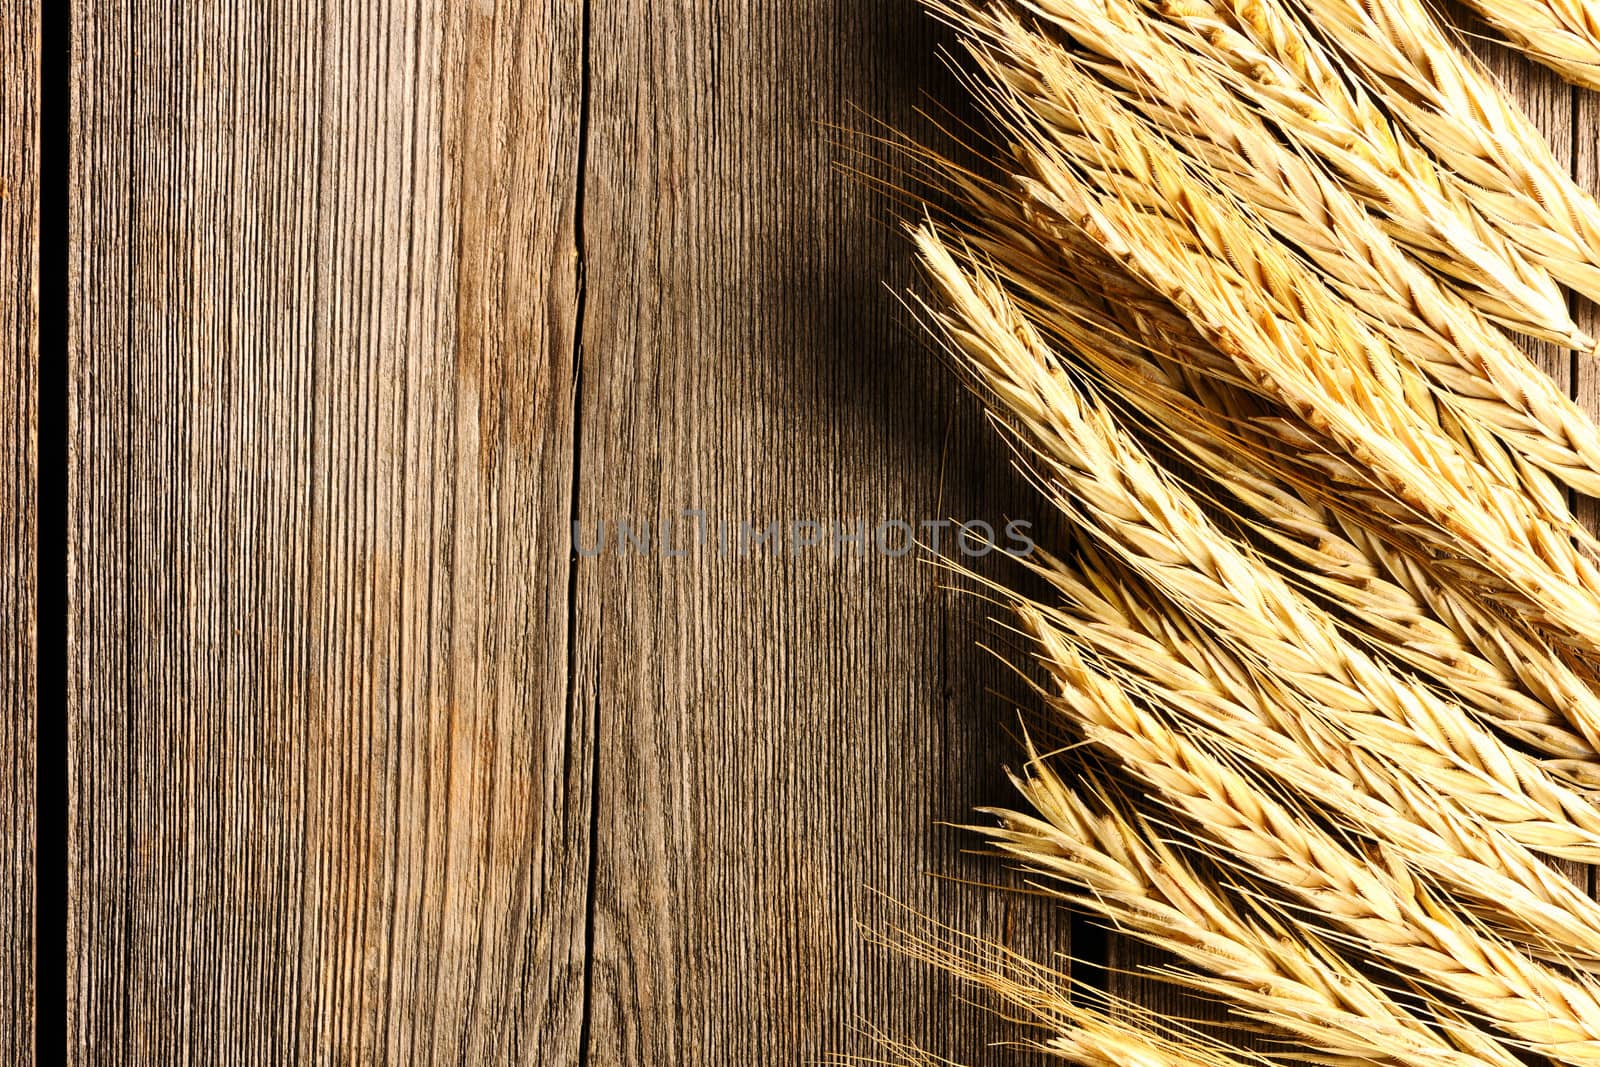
[19, 372]
[327, 799]
[778, 733]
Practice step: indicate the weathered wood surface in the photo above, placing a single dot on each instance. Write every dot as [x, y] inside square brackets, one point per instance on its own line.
[368, 304]
[19, 419]
[331, 804]
[778, 733]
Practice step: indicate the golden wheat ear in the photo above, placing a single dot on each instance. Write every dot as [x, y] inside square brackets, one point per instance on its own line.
[1473, 364]
[1489, 153]
[1238, 325]
[1089, 846]
[1304, 348]
[1564, 35]
[1237, 705]
[1370, 903]
[1066, 1018]
[1100, 477]
[1264, 55]
[1142, 352]
[1274, 678]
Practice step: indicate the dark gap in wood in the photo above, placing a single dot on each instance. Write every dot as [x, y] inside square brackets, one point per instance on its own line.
[587, 1011]
[1091, 952]
[126, 647]
[53, 117]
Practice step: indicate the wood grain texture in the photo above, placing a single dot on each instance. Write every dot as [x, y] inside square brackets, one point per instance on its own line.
[19, 423]
[780, 733]
[329, 805]
[368, 304]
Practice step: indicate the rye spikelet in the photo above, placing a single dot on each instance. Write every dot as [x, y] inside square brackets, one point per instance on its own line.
[1100, 856]
[1368, 897]
[1084, 1025]
[1540, 670]
[1564, 35]
[1240, 707]
[1299, 88]
[1045, 238]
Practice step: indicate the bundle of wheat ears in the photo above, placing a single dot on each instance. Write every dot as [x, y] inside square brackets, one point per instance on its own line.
[1246, 289]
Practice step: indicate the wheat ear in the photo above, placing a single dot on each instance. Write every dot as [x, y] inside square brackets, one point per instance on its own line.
[1370, 898]
[1042, 237]
[1307, 350]
[1083, 1025]
[1506, 678]
[1564, 35]
[1160, 369]
[1479, 370]
[1105, 859]
[1400, 609]
[1517, 695]
[1106, 480]
[1395, 604]
[1304, 456]
[1103, 1040]
[1541, 670]
[1489, 151]
[1046, 232]
[1295, 84]
[1147, 646]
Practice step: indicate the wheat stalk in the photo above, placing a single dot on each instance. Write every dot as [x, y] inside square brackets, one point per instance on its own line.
[1263, 724]
[1481, 373]
[1564, 35]
[1291, 81]
[1490, 153]
[1537, 668]
[1402, 610]
[1113, 21]
[1344, 485]
[1084, 1025]
[1386, 455]
[1508, 677]
[1316, 462]
[1517, 694]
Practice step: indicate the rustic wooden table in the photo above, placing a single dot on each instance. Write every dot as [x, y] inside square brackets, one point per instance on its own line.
[367, 303]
